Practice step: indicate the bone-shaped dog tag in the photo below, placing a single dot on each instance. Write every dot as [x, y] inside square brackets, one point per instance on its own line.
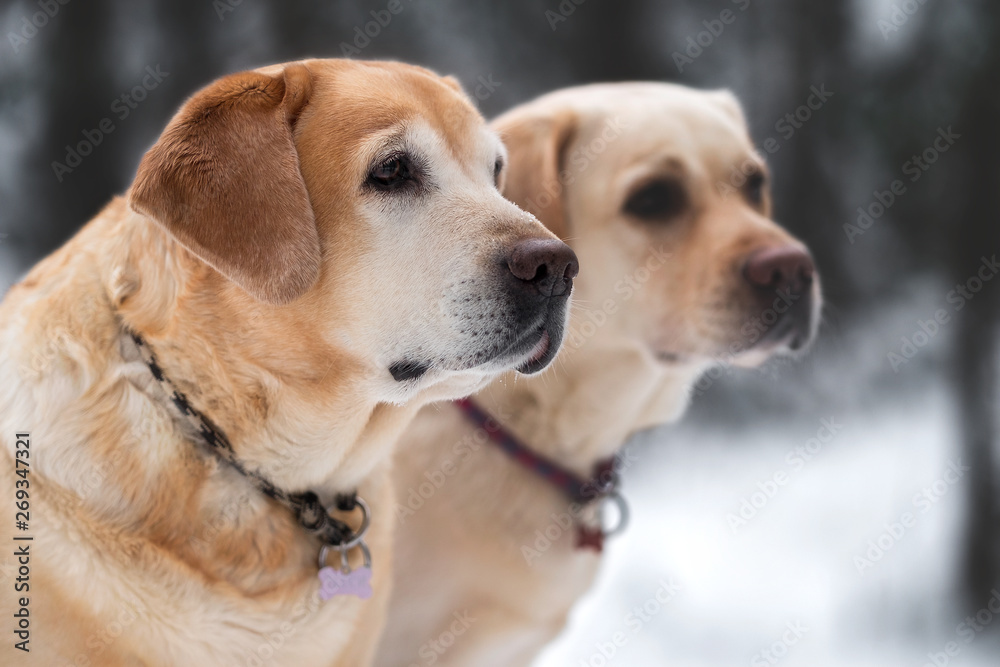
[345, 581]
[335, 582]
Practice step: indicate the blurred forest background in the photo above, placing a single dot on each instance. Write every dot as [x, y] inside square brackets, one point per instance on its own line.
[902, 72]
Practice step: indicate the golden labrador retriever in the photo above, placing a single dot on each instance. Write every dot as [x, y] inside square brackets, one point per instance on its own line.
[659, 190]
[200, 390]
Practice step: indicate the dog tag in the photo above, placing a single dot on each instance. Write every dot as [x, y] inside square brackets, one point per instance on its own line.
[335, 582]
[345, 581]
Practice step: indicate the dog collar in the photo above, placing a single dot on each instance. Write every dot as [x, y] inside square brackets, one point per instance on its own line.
[310, 513]
[601, 487]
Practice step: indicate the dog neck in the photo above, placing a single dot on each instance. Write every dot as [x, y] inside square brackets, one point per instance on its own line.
[585, 408]
[272, 382]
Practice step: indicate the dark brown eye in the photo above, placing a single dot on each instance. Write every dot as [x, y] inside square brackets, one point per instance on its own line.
[658, 200]
[755, 188]
[497, 170]
[391, 173]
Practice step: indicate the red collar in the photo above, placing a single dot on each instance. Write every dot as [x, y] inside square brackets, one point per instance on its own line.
[603, 484]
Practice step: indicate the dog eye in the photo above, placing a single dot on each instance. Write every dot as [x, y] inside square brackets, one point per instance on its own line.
[392, 173]
[755, 188]
[657, 201]
[497, 170]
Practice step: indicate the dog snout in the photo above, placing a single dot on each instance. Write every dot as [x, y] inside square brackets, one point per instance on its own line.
[786, 268]
[783, 278]
[547, 266]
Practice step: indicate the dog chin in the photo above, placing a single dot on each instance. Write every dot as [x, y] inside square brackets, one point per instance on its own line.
[534, 351]
[670, 358]
[789, 345]
[756, 356]
[747, 357]
[550, 341]
[540, 356]
[439, 384]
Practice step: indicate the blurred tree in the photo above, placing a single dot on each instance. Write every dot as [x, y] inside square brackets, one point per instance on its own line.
[977, 234]
[76, 93]
[812, 201]
[609, 42]
[191, 28]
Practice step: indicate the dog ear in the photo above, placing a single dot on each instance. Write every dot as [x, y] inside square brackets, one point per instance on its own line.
[224, 180]
[729, 104]
[537, 147]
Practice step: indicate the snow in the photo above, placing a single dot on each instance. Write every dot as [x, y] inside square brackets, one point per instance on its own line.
[796, 563]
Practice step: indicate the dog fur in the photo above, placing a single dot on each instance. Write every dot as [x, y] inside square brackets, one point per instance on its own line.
[657, 302]
[277, 286]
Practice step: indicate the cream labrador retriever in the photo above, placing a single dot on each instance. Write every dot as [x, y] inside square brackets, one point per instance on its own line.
[200, 390]
[659, 190]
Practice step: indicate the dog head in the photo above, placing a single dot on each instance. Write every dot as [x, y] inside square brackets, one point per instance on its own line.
[667, 204]
[360, 200]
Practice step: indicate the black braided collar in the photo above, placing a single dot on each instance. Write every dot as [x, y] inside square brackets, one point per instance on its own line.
[307, 508]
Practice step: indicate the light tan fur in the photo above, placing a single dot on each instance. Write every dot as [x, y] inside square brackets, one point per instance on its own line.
[469, 516]
[276, 291]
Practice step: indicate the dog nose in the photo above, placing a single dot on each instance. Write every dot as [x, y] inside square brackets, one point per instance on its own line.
[547, 265]
[780, 268]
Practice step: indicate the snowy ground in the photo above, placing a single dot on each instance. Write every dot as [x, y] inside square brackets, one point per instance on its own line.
[805, 560]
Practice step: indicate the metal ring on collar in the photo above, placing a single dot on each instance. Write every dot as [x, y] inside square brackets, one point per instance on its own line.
[324, 553]
[355, 539]
[366, 515]
[623, 514]
[345, 565]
